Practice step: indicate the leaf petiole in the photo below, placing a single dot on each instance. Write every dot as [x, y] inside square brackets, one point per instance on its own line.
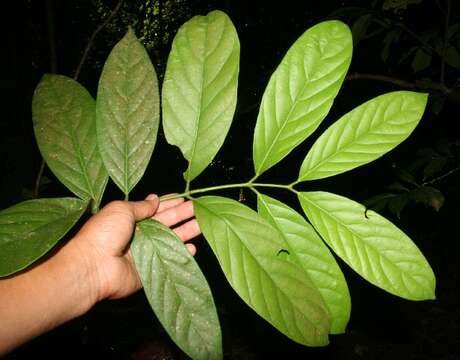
[248, 184]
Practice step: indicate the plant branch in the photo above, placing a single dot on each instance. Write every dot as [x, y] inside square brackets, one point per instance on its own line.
[384, 78]
[424, 85]
[38, 180]
[93, 37]
[425, 45]
[441, 177]
[248, 184]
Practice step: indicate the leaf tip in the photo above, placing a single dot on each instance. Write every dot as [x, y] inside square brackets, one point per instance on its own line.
[130, 34]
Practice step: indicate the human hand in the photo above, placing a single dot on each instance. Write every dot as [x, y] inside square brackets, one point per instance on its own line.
[104, 241]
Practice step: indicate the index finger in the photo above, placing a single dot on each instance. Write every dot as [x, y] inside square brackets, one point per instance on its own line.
[175, 214]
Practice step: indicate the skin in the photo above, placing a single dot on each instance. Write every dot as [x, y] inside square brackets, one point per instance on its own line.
[94, 265]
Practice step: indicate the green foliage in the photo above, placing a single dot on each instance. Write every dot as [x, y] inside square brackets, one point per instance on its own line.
[177, 290]
[397, 5]
[128, 112]
[425, 58]
[421, 180]
[274, 259]
[65, 128]
[301, 91]
[374, 247]
[30, 229]
[199, 88]
[248, 249]
[364, 134]
[306, 248]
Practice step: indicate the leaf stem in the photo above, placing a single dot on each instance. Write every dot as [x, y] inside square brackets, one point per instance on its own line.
[93, 37]
[441, 177]
[39, 180]
[248, 184]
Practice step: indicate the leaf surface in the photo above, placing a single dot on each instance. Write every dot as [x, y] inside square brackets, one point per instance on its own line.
[200, 88]
[28, 230]
[128, 112]
[364, 134]
[64, 116]
[177, 290]
[309, 251]
[301, 91]
[374, 247]
[252, 255]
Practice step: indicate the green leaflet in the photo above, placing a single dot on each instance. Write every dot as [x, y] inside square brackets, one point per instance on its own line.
[364, 134]
[309, 251]
[177, 290]
[28, 230]
[249, 251]
[200, 87]
[64, 116]
[301, 91]
[374, 247]
[128, 112]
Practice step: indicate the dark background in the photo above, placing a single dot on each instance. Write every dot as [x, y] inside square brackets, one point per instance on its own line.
[50, 36]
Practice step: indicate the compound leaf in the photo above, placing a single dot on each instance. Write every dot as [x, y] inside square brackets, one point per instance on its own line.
[374, 247]
[128, 112]
[200, 88]
[309, 251]
[28, 230]
[64, 116]
[364, 134]
[301, 91]
[177, 290]
[253, 255]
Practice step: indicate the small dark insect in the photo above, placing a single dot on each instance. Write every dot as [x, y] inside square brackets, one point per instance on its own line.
[365, 214]
[283, 251]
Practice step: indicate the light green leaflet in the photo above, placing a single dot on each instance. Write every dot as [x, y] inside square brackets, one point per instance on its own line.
[301, 91]
[64, 116]
[364, 134]
[250, 252]
[308, 250]
[128, 112]
[199, 88]
[177, 290]
[28, 230]
[374, 247]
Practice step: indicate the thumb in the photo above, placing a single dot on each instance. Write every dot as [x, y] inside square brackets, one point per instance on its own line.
[145, 208]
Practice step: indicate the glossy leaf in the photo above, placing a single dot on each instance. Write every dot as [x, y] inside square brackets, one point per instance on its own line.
[64, 116]
[309, 251]
[364, 134]
[177, 290]
[301, 91]
[374, 247]
[128, 112]
[28, 230]
[252, 255]
[199, 88]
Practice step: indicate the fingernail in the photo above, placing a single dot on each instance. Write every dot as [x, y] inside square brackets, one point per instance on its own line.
[151, 197]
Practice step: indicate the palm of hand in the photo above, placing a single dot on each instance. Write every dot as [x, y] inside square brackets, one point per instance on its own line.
[106, 236]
